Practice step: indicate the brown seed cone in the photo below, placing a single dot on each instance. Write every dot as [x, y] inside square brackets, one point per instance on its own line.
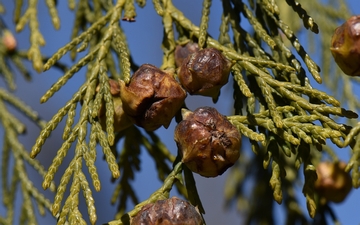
[208, 142]
[121, 120]
[345, 46]
[183, 51]
[205, 72]
[173, 211]
[152, 97]
[333, 183]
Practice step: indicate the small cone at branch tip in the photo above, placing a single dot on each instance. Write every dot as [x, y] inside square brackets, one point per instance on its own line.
[333, 183]
[345, 46]
[9, 41]
[173, 211]
[152, 97]
[205, 72]
[208, 143]
[121, 120]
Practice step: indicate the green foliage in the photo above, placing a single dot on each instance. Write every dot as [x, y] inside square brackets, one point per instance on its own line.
[287, 121]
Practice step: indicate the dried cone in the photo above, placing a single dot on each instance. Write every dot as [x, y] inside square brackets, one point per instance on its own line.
[152, 97]
[333, 183]
[182, 52]
[205, 72]
[173, 211]
[208, 142]
[121, 120]
[345, 46]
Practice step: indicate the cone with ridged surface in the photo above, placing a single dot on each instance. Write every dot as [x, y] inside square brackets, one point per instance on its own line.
[205, 72]
[152, 97]
[208, 143]
[183, 51]
[173, 211]
[345, 46]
